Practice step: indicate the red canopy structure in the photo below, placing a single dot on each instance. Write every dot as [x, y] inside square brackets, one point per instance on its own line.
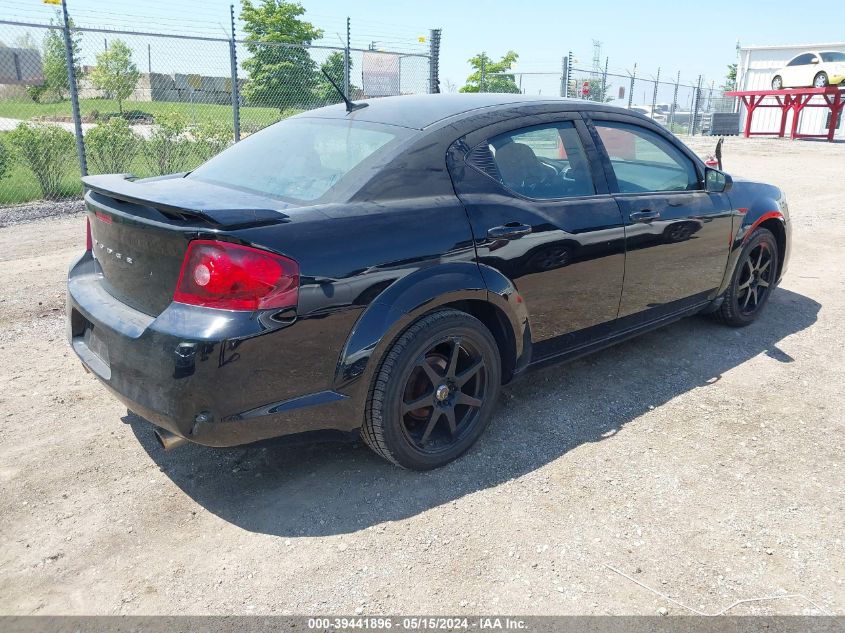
[794, 99]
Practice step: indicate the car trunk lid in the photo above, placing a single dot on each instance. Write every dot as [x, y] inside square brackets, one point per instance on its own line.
[140, 230]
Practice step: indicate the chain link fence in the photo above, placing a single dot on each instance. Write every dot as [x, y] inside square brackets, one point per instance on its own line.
[681, 106]
[153, 104]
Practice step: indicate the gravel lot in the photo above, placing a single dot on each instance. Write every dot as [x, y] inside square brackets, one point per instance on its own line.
[704, 462]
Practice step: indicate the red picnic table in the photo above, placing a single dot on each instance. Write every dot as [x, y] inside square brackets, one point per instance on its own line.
[795, 99]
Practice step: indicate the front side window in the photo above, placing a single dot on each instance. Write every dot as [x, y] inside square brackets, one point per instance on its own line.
[545, 162]
[801, 60]
[643, 160]
[298, 159]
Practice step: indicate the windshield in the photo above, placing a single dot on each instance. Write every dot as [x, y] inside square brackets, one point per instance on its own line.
[833, 56]
[299, 159]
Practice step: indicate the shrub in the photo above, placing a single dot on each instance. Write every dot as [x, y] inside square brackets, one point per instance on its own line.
[110, 147]
[212, 138]
[36, 92]
[168, 150]
[48, 150]
[5, 159]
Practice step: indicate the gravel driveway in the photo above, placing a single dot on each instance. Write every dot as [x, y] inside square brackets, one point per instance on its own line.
[704, 462]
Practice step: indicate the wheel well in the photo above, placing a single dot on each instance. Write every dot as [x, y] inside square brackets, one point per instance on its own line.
[497, 322]
[777, 229]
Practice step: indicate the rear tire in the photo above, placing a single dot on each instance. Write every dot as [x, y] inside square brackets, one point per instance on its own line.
[821, 80]
[447, 366]
[752, 282]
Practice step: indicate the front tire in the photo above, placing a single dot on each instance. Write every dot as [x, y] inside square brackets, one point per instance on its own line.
[777, 83]
[435, 391]
[821, 80]
[752, 282]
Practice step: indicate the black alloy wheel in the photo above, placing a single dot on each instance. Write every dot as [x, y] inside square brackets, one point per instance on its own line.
[753, 280]
[435, 391]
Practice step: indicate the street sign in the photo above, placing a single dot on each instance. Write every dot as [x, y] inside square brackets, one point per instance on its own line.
[585, 89]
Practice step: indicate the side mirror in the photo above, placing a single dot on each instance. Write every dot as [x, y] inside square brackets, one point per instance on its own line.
[716, 181]
[815, 60]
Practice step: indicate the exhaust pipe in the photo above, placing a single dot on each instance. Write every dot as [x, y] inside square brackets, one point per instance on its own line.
[169, 440]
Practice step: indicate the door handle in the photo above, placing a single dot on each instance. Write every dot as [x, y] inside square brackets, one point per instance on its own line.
[509, 231]
[646, 215]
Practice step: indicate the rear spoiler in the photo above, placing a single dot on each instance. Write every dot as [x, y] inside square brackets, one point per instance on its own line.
[123, 187]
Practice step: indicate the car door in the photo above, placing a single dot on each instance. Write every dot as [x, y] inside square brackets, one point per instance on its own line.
[677, 234]
[542, 215]
[799, 71]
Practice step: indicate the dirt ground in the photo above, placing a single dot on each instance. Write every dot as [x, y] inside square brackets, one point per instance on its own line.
[703, 462]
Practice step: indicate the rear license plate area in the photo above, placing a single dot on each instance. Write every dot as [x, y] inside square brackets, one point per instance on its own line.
[92, 349]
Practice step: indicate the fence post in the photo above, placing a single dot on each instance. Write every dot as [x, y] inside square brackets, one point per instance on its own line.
[604, 81]
[564, 79]
[631, 91]
[674, 101]
[695, 103]
[654, 95]
[347, 67]
[74, 95]
[434, 62]
[233, 61]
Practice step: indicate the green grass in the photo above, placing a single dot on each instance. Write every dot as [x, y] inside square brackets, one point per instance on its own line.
[27, 109]
[19, 185]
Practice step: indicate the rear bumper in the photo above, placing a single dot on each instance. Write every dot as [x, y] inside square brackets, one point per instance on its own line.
[214, 377]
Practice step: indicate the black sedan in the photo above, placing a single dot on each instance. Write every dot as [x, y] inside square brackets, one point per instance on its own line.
[383, 270]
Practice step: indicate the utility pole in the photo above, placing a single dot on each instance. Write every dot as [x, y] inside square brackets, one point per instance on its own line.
[74, 95]
[483, 70]
[631, 91]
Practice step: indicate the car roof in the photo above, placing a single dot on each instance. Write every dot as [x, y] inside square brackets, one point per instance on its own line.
[424, 110]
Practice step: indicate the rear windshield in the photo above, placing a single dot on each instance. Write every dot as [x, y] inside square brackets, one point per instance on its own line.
[301, 159]
[833, 56]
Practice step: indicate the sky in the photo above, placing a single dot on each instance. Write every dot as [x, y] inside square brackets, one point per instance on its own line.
[674, 36]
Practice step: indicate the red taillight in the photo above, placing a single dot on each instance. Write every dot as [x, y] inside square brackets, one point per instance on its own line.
[89, 242]
[233, 277]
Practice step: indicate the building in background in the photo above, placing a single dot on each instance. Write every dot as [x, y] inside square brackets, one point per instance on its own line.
[757, 66]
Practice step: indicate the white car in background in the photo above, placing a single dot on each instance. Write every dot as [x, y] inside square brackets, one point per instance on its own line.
[817, 69]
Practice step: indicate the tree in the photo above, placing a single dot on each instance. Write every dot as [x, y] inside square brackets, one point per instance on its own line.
[281, 72]
[494, 77]
[730, 78]
[595, 94]
[115, 73]
[54, 64]
[333, 67]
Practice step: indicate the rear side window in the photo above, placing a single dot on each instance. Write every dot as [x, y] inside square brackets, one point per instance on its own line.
[833, 56]
[643, 160]
[300, 159]
[543, 162]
